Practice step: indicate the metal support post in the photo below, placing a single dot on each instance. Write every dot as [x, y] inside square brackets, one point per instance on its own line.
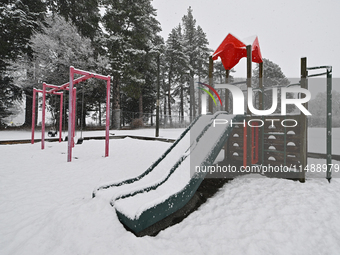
[303, 120]
[61, 116]
[158, 94]
[107, 130]
[43, 117]
[211, 81]
[70, 119]
[33, 116]
[261, 107]
[329, 123]
[249, 133]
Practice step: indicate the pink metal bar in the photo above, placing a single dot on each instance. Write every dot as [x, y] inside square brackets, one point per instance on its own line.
[83, 78]
[57, 93]
[53, 86]
[65, 86]
[61, 116]
[70, 119]
[43, 117]
[70, 86]
[99, 76]
[75, 81]
[33, 111]
[33, 116]
[107, 118]
[74, 115]
[47, 92]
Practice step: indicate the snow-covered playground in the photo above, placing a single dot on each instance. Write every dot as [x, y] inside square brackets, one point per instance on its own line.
[46, 204]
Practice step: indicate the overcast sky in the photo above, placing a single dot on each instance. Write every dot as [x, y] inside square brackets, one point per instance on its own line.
[287, 29]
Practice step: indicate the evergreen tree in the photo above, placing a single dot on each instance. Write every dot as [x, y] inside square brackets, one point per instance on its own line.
[190, 41]
[116, 23]
[18, 20]
[202, 63]
[202, 53]
[190, 44]
[132, 44]
[272, 77]
[187, 55]
[176, 64]
[84, 14]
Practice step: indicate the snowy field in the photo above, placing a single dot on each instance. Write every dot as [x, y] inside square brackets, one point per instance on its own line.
[46, 205]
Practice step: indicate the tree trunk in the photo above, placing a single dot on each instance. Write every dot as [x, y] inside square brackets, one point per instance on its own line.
[165, 107]
[199, 93]
[192, 99]
[165, 103]
[28, 107]
[169, 99]
[182, 103]
[140, 104]
[115, 104]
[100, 113]
[83, 121]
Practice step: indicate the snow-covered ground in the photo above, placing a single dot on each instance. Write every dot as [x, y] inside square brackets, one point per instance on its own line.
[46, 205]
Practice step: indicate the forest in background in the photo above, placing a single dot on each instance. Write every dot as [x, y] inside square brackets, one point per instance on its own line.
[41, 39]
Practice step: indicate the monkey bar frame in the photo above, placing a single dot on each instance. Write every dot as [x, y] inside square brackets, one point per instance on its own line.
[70, 86]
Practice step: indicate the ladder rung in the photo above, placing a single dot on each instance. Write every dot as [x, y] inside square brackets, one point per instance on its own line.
[275, 151]
[273, 134]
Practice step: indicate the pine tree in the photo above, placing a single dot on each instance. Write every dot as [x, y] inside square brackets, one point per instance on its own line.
[272, 76]
[190, 40]
[116, 24]
[202, 64]
[132, 46]
[84, 14]
[176, 64]
[190, 53]
[18, 20]
[202, 52]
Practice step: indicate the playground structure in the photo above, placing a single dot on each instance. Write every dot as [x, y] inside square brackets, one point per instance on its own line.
[147, 203]
[70, 87]
[269, 144]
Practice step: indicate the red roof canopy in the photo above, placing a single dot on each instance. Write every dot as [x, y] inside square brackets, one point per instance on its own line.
[231, 50]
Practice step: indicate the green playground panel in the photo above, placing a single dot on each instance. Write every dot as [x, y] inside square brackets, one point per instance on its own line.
[179, 199]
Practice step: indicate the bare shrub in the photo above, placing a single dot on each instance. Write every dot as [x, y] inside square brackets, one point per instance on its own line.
[137, 123]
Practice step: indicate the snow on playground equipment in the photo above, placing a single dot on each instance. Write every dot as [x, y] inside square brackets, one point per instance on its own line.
[284, 145]
[167, 186]
[146, 203]
[70, 86]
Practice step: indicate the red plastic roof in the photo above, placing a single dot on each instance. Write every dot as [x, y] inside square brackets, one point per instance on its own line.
[231, 50]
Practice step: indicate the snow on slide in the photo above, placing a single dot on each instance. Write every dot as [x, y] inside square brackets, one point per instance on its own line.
[199, 154]
[161, 169]
[168, 184]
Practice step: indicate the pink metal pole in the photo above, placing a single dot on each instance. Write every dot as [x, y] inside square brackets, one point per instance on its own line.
[61, 116]
[33, 116]
[107, 117]
[70, 119]
[94, 75]
[74, 114]
[43, 117]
